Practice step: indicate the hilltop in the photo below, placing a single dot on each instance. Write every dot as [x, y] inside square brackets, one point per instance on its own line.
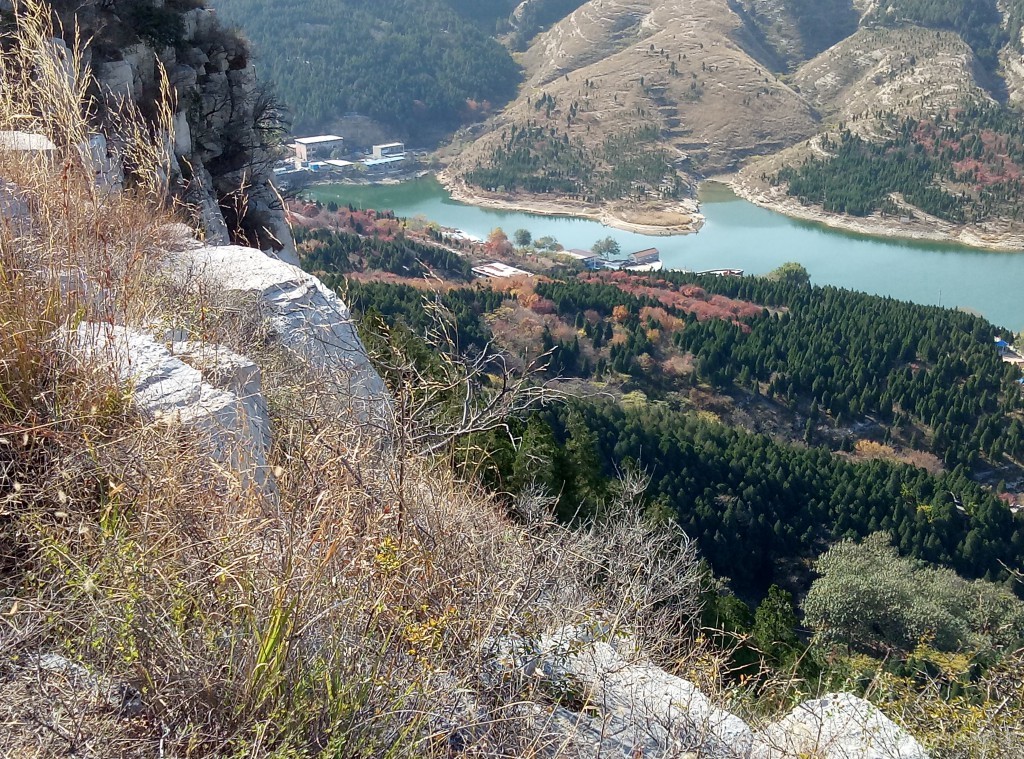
[711, 88]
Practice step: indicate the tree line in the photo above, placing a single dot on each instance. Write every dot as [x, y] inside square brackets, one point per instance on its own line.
[758, 508]
[331, 252]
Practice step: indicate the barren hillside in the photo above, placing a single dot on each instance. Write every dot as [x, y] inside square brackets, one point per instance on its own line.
[627, 103]
[906, 70]
[616, 65]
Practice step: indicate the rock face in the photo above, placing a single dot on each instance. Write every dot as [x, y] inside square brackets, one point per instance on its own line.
[614, 703]
[645, 708]
[224, 125]
[221, 399]
[839, 726]
[305, 318]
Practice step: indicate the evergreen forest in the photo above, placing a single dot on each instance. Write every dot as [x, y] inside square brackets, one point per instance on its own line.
[760, 505]
[963, 166]
[978, 22]
[541, 159]
[418, 66]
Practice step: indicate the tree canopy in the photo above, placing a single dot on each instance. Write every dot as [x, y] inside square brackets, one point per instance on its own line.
[417, 65]
[871, 599]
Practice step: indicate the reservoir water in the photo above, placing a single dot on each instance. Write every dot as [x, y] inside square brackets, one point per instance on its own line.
[740, 235]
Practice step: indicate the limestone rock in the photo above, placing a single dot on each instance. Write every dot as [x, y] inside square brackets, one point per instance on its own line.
[165, 388]
[838, 726]
[200, 194]
[642, 703]
[143, 62]
[307, 319]
[198, 23]
[120, 696]
[13, 205]
[226, 370]
[629, 707]
[27, 142]
[116, 79]
[182, 135]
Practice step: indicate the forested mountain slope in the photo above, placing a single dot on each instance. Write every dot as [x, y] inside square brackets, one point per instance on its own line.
[418, 66]
[794, 30]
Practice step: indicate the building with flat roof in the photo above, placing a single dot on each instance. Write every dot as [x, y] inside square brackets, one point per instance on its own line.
[380, 165]
[389, 150]
[321, 146]
[498, 270]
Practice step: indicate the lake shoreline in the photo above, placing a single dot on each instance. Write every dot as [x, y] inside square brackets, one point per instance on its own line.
[689, 221]
[922, 228]
[742, 235]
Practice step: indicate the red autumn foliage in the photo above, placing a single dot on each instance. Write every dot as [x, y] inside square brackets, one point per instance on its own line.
[689, 298]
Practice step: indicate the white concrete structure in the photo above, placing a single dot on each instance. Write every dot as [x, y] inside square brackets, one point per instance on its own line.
[320, 146]
[499, 270]
[389, 150]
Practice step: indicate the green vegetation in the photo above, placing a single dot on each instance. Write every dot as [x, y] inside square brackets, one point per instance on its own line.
[871, 599]
[963, 166]
[416, 65]
[767, 512]
[543, 160]
[326, 250]
[403, 305]
[822, 23]
[929, 373]
[923, 370]
[758, 508]
[819, 24]
[537, 15]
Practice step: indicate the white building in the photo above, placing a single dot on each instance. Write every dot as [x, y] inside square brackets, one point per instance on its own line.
[321, 146]
[498, 270]
[389, 150]
[590, 260]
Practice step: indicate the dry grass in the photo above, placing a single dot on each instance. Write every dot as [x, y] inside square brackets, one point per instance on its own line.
[149, 606]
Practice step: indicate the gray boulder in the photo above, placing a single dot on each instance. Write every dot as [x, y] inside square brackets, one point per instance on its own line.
[616, 704]
[116, 79]
[304, 317]
[838, 726]
[167, 389]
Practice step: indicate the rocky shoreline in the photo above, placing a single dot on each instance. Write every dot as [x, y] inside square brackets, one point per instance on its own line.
[994, 237]
[687, 212]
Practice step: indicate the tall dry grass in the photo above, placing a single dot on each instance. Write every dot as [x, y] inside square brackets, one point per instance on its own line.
[70, 249]
[148, 610]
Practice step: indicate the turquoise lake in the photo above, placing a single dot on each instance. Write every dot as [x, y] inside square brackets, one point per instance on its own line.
[740, 235]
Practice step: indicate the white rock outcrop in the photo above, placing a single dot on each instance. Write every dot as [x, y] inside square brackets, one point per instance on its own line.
[305, 318]
[838, 726]
[644, 707]
[228, 411]
[614, 703]
[627, 706]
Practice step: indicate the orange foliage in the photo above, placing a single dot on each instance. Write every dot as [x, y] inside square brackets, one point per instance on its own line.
[689, 298]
